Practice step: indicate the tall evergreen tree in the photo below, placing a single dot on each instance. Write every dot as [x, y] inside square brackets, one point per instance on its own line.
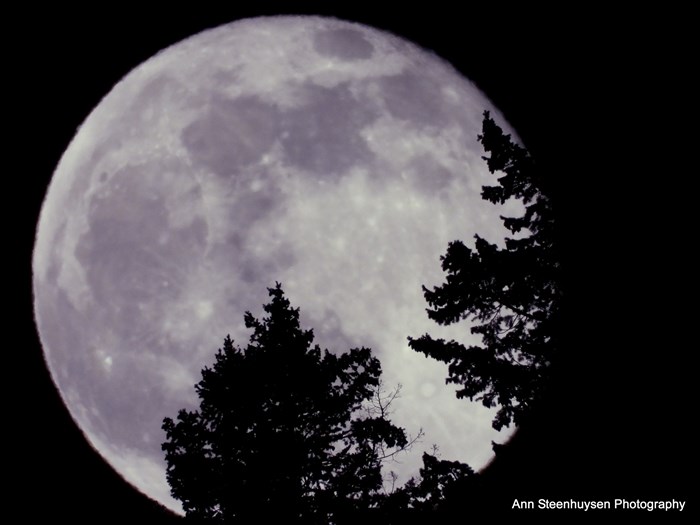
[438, 482]
[284, 431]
[511, 294]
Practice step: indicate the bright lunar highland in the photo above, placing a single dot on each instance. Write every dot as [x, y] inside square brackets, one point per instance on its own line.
[332, 157]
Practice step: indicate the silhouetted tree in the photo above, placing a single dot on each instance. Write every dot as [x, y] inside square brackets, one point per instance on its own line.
[437, 481]
[511, 294]
[284, 431]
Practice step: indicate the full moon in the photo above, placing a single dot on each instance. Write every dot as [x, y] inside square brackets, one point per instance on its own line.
[329, 156]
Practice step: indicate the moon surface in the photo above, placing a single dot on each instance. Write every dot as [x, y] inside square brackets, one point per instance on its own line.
[332, 157]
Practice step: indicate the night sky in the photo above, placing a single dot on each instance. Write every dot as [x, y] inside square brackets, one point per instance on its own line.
[617, 424]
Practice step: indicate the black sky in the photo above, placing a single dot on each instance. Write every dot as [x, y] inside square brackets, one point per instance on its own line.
[578, 88]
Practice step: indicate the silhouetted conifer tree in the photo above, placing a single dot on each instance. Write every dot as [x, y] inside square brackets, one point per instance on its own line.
[511, 294]
[436, 484]
[285, 432]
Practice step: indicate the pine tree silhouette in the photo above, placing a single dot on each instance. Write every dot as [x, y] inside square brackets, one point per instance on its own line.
[284, 431]
[511, 294]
